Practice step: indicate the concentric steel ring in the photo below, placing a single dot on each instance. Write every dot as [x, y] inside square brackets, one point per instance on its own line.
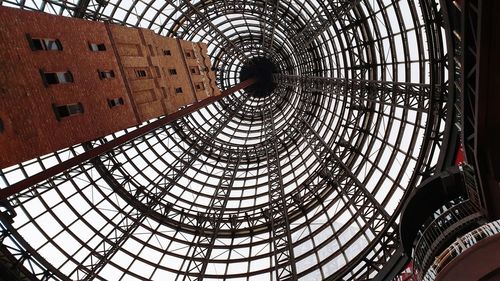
[305, 183]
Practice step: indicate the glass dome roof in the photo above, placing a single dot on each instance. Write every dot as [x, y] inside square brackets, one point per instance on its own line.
[304, 182]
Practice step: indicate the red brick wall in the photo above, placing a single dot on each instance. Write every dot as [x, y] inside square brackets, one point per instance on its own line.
[153, 95]
[206, 76]
[31, 127]
[170, 82]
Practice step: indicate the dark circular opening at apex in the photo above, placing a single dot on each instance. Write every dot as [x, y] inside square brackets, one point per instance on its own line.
[262, 69]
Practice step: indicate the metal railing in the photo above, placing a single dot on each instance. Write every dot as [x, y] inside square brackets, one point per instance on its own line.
[447, 225]
[459, 246]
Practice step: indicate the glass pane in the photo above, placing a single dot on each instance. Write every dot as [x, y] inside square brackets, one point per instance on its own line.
[65, 77]
[52, 45]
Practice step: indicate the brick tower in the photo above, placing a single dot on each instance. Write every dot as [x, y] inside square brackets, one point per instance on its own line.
[65, 81]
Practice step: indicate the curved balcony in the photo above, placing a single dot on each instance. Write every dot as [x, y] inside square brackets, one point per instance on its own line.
[442, 208]
[440, 231]
[458, 247]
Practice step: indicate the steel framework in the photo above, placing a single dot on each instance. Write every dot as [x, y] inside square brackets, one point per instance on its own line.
[306, 183]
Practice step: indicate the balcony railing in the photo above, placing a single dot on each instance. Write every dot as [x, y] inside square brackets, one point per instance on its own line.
[459, 246]
[439, 232]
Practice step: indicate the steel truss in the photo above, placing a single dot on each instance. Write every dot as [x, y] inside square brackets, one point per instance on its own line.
[331, 12]
[303, 184]
[338, 175]
[415, 97]
[464, 23]
[277, 213]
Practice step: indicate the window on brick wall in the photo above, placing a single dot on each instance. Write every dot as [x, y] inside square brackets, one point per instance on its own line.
[115, 102]
[62, 111]
[2, 128]
[44, 44]
[178, 90]
[194, 70]
[141, 73]
[106, 74]
[167, 53]
[56, 77]
[199, 86]
[97, 47]
[172, 71]
[189, 53]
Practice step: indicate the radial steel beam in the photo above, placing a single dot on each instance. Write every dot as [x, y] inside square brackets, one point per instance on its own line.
[140, 210]
[201, 252]
[377, 214]
[354, 192]
[87, 155]
[269, 23]
[22, 253]
[81, 8]
[90, 9]
[324, 153]
[377, 219]
[231, 48]
[334, 10]
[284, 260]
[147, 204]
[411, 96]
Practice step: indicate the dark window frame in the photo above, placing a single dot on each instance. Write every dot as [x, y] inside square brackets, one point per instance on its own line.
[172, 71]
[53, 78]
[141, 73]
[44, 44]
[189, 54]
[97, 47]
[115, 102]
[167, 53]
[67, 110]
[195, 70]
[178, 90]
[106, 74]
[200, 86]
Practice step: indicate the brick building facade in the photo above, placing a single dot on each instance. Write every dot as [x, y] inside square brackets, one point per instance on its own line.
[65, 81]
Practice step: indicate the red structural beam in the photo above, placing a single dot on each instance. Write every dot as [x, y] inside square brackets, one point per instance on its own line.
[408, 274]
[460, 156]
[94, 152]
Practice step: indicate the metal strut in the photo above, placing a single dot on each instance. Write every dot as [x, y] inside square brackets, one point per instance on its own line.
[144, 205]
[368, 208]
[355, 193]
[230, 48]
[411, 96]
[90, 9]
[333, 11]
[277, 214]
[270, 13]
[200, 254]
